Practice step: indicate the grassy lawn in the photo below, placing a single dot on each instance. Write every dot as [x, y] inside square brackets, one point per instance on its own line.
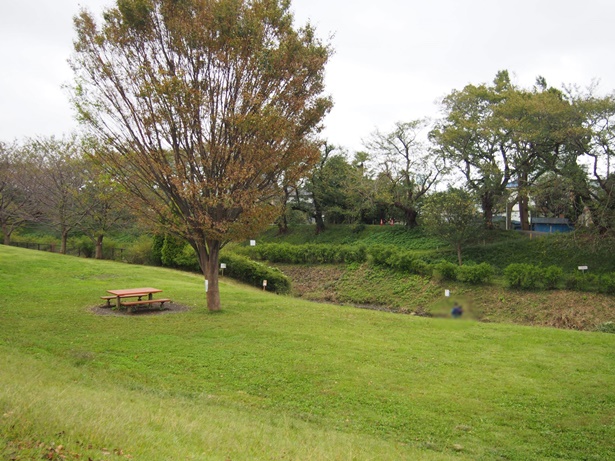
[275, 378]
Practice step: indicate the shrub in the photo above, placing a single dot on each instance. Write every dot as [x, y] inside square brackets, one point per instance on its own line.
[157, 243]
[571, 282]
[552, 276]
[475, 273]
[83, 245]
[607, 283]
[447, 270]
[525, 276]
[187, 259]
[172, 248]
[420, 267]
[400, 261]
[583, 282]
[355, 254]
[142, 251]
[253, 273]
[606, 327]
[380, 254]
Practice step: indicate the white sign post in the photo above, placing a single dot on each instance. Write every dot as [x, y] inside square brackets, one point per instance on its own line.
[264, 285]
[252, 243]
[447, 293]
[583, 269]
[222, 267]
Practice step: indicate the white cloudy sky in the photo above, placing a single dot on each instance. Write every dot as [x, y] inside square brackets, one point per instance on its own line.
[393, 58]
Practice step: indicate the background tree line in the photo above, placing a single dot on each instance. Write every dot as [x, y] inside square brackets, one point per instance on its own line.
[495, 145]
[54, 182]
[543, 149]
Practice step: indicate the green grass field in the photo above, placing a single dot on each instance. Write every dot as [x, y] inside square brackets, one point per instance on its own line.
[275, 378]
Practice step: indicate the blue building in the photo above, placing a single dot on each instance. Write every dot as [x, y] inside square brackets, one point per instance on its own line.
[550, 225]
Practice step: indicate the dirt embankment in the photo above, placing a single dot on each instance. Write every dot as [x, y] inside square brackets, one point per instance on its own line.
[491, 303]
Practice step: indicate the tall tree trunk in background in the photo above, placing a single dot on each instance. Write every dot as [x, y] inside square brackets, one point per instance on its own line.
[282, 224]
[64, 240]
[99, 246]
[282, 220]
[487, 206]
[6, 232]
[524, 212]
[320, 222]
[410, 214]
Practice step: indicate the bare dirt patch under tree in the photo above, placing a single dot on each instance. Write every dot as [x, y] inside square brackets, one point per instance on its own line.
[169, 308]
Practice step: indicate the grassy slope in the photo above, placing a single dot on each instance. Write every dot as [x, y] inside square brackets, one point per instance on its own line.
[373, 286]
[276, 378]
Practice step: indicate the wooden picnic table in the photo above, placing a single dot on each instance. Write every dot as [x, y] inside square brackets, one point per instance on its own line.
[134, 293]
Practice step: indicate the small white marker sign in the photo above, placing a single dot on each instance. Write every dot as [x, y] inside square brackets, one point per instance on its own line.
[582, 268]
[447, 293]
[252, 243]
[222, 266]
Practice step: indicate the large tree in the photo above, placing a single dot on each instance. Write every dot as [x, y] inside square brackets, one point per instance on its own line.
[18, 204]
[410, 166]
[103, 205]
[57, 168]
[206, 107]
[334, 187]
[500, 135]
[598, 150]
[541, 127]
[452, 216]
[472, 140]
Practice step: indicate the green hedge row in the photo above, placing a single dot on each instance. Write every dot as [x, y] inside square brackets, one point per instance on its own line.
[306, 254]
[176, 253]
[529, 277]
[387, 256]
[253, 273]
[469, 273]
[518, 275]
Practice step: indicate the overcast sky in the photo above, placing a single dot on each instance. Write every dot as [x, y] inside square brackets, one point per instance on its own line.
[394, 59]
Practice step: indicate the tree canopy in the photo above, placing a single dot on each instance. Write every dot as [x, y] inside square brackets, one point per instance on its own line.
[202, 109]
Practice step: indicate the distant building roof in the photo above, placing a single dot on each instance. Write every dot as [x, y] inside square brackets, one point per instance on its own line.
[561, 221]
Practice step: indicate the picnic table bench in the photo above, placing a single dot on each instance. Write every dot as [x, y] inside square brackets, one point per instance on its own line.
[139, 293]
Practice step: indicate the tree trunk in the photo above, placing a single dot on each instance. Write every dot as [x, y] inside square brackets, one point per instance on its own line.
[487, 206]
[411, 218]
[524, 203]
[459, 254]
[6, 232]
[524, 212]
[320, 223]
[410, 214]
[283, 220]
[99, 247]
[282, 224]
[209, 257]
[64, 240]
